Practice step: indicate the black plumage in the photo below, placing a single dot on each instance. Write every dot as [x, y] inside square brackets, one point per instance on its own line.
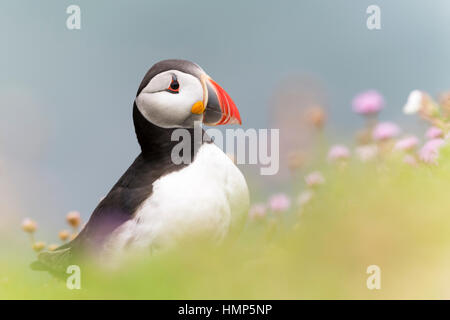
[135, 185]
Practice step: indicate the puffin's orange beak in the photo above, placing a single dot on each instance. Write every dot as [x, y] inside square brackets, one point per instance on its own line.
[220, 108]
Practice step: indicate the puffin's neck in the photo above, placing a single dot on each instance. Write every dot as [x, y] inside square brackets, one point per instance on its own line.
[155, 142]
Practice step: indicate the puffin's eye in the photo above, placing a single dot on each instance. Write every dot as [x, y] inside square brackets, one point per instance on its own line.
[174, 86]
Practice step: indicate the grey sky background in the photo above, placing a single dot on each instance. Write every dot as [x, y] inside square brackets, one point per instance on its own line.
[66, 132]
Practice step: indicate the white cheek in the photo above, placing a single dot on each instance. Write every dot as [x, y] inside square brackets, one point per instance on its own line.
[170, 110]
[160, 108]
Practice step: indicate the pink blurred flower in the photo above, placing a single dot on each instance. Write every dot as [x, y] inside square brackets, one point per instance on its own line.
[279, 202]
[73, 218]
[368, 102]
[410, 159]
[29, 225]
[305, 197]
[385, 131]
[429, 153]
[257, 211]
[367, 152]
[407, 143]
[338, 152]
[434, 133]
[314, 179]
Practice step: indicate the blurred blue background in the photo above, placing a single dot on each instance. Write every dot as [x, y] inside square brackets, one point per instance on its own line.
[66, 131]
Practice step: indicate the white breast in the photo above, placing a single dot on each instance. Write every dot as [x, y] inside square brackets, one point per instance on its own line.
[205, 199]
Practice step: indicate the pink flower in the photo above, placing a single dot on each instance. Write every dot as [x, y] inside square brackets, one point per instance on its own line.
[73, 218]
[257, 211]
[314, 179]
[369, 102]
[434, 133]
[429, 153]
[367, 152]
[338, 152]
[279, 202]
[385, 131]
[305, 197]
[29, 225]
[411, 160]
[407, 144]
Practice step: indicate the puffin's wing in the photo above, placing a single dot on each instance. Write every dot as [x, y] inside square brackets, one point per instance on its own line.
[135, 185]
[117, 207]
[53, 261]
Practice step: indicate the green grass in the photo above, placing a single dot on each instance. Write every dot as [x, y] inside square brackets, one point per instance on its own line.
[385, 213]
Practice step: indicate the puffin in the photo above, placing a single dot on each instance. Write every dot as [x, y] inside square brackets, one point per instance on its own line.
[159, 203]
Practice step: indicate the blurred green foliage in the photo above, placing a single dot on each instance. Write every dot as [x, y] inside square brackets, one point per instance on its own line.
[383, 213]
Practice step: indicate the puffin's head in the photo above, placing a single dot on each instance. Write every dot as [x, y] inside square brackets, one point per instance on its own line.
[177, 93]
